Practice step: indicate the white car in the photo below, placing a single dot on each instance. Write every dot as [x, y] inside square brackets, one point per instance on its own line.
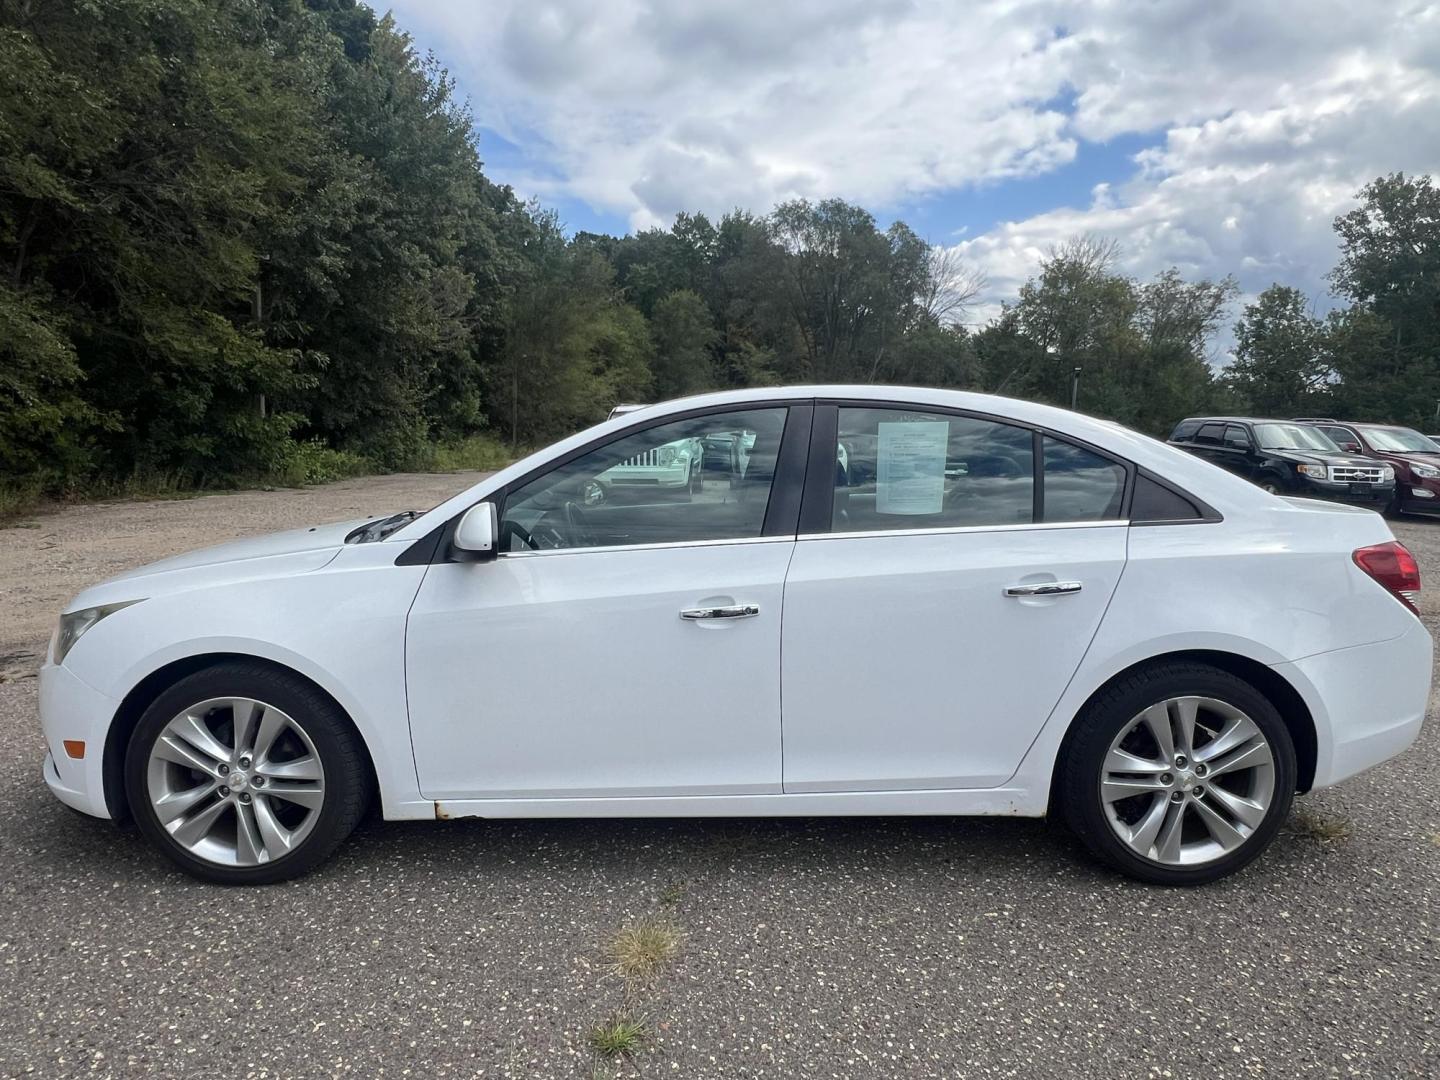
[1005, 609]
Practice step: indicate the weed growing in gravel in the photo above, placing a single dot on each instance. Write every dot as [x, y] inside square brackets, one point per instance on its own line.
[1325, 830]
[620, 1036]
[642, 949]
[672, 894]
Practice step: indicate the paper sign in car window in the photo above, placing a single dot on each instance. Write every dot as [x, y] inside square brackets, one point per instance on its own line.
[910, 470]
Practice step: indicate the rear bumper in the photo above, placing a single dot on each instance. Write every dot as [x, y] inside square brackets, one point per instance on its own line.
[72, 710]
[1368, 702]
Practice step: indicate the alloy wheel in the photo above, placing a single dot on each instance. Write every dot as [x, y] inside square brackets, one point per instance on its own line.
[1187, 781]
[235, 781]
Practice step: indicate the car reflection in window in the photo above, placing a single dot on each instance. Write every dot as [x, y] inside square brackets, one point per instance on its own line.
[706, 478]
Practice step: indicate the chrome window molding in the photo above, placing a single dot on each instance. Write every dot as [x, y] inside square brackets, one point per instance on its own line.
[1044, 526]
[658, 546]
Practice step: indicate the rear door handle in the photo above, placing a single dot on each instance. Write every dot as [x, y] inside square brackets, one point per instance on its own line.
[733, 611]
[1045, 588]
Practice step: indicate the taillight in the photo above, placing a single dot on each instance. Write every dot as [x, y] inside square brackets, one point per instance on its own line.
[1394, 567]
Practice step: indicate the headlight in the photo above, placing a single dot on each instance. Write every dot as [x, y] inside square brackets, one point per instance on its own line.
[1387, 472]
[1317, 471]
[74, 625]
[665, 455]
[1429, 472]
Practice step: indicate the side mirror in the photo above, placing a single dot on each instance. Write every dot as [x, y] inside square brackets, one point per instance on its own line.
[1351, 447]
[478, 534]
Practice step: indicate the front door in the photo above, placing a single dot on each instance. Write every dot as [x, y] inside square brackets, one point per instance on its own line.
[626, 641]
[932, 628]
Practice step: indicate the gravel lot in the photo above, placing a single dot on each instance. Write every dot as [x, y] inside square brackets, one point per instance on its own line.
[826, 948]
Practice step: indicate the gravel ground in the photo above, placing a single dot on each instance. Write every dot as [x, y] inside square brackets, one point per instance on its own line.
[827, 948]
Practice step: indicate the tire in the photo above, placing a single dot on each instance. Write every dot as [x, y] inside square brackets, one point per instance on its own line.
[1251, 802]
[1271, 486]
[300, 743]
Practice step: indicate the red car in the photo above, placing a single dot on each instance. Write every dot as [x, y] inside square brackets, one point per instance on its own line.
[1416, 459]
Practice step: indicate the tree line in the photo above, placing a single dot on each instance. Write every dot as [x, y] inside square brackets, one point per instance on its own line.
[251, 239]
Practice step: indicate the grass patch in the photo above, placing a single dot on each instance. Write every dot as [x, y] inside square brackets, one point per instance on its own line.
[17, 501]
[619, 1037]
[641, 950]
[1324, 830]
[480, 453]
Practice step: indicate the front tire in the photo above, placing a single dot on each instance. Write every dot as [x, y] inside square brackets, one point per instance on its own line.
[245, 774]
[1180, 774]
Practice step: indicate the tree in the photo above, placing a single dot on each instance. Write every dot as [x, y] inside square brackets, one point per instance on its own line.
[1279, 369]
[684, 335]
[1390, 269]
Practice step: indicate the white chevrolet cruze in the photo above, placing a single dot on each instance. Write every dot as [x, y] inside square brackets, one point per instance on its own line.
[909, 602]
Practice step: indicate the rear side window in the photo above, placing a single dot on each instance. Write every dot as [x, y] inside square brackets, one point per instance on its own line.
[1080, 485]
[1185, 430]
[897, 469]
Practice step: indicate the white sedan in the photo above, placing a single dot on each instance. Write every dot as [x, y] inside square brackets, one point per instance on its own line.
[995, 608]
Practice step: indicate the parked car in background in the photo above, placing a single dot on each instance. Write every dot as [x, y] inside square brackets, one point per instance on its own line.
[1012, 610]
[1414, 457]
[1287, 458]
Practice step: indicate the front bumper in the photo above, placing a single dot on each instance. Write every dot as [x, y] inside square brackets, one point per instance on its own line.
[74, 711]
[1420, 497]
[1378, 495]
[1368, 702]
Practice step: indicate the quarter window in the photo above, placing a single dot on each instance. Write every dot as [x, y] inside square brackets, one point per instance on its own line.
[704, 478]
[897, 469]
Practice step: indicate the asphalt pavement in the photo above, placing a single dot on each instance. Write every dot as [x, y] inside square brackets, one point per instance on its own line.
[842, 948]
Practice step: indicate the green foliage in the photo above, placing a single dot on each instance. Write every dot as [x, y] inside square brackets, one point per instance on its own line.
[247, 240]
[1279, 366]
[684, 337]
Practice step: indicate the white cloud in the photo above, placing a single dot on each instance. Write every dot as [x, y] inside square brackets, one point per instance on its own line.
[1266, 117]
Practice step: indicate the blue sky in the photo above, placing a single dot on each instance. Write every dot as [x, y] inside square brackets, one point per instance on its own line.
[1217, 136]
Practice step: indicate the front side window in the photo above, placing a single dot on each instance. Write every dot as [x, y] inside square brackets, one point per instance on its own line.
[703, 478]
[898, 469]
[1236, 439]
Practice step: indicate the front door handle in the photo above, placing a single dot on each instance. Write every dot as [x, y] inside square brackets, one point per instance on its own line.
[1044, 588]
[733, 611]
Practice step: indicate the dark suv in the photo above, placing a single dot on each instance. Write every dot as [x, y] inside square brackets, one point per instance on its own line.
[1415, 458]
[1286, 458]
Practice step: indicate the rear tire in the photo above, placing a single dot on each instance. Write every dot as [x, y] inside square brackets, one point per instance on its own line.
[258, 775]
[1190, 812]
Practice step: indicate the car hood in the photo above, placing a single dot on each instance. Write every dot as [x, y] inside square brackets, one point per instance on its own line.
[1321, 457]
[295, 551]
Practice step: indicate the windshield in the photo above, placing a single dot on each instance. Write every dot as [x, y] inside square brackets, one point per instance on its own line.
[1292, 437]
[1400, 440]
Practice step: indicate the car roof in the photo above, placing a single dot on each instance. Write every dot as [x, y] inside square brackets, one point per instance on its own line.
[1243, 420]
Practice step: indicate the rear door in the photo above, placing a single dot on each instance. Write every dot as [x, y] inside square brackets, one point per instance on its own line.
[943, 590]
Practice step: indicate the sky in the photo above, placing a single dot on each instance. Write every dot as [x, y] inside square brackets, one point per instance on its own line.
[1217, 137]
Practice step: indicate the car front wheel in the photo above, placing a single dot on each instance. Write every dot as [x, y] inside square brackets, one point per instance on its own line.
[245, 774]
[1180, 774]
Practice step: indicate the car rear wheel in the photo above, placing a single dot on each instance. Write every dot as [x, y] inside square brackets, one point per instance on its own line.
[245, 774]
[1179, 775]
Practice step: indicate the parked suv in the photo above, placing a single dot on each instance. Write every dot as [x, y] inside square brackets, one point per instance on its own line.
[1414, 457]
[1286, 458]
